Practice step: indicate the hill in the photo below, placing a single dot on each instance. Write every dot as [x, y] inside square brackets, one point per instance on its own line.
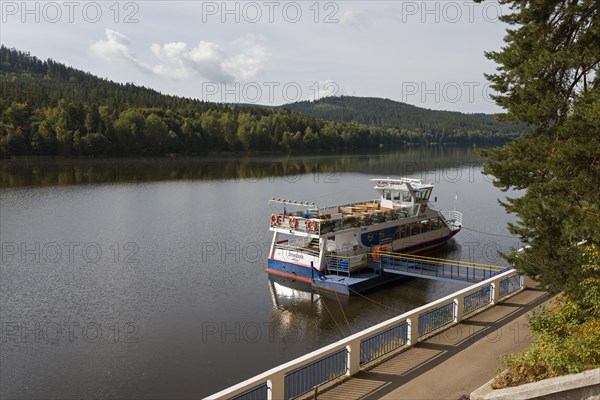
[48, 109]
[385, 113]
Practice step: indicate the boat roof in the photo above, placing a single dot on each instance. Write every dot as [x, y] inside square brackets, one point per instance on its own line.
[399, 183]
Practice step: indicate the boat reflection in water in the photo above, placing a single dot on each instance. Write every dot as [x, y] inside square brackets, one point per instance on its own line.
[291, 293]
[301, 314]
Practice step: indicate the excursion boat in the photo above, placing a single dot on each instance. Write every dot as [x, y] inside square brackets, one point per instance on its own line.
[331, 247]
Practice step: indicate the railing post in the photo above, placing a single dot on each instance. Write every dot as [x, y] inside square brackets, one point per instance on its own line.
[496, 291]
[276, 386]
[353, 357]
[459, 303]
[413, 329]
[521, 281]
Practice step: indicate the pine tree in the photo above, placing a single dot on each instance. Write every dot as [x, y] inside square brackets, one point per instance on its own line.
[547, 77]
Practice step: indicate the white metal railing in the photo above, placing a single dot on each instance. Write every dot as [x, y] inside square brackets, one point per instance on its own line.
[454, 217]
[295, 243]
[301, 244]
[275, 378]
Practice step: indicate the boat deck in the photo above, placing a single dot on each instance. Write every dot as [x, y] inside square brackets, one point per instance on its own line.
[346, 285]
[363, 208]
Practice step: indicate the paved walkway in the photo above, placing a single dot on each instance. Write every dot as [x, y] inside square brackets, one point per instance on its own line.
[452, 363]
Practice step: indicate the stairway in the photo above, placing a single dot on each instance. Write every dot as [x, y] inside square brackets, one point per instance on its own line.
[313, 245]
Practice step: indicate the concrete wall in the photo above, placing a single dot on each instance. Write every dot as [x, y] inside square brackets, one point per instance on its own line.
[582, 386]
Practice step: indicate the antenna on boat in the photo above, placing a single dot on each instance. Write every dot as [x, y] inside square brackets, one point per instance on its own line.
[455, 198]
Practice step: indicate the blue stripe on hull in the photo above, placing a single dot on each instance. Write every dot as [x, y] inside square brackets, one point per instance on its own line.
[289, 269]
[303, 273]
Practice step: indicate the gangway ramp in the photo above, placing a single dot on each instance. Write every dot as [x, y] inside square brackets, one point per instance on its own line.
[433, 268]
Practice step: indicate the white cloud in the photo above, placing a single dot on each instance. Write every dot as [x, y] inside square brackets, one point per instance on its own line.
[116, 48]
[177, 60]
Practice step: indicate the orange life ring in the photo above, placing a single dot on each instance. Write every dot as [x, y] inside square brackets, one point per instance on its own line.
[312, 225]
[375, 253]
[274, 219]
[293, 222]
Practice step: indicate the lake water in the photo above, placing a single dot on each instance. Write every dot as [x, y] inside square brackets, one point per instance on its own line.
[144, 279]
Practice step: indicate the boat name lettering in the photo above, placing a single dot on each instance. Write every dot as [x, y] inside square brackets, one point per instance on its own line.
[296, 255]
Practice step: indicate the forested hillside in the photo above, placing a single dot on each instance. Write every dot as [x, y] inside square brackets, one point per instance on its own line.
[436, 125]
[47, 108]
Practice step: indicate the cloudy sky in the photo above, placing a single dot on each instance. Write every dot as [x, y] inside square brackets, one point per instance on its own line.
[426, 53]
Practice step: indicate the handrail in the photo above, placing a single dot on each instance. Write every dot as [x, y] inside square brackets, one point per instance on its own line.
[282, 220]
[344, 257]
[275, 377]
[453, 215]
[438, 260]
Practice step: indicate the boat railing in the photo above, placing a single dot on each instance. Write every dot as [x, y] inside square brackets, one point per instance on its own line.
[295, 222]
[351, 219]
[299, 244]
[302, 242]
[345, 264]
[454, 218]
[338, 264]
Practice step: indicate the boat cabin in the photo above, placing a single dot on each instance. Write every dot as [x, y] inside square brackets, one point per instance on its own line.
[402, 193]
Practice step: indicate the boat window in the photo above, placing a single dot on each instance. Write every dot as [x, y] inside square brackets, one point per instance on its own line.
[396, 196]
[425, 226]
[406, 196]
[441, 223]
[412, 211]
[423, 194]
[415, 228]
[388, 195]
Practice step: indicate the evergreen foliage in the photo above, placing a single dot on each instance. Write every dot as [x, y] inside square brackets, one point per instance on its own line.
[547, 77]
[48, 109]
[437, 126]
